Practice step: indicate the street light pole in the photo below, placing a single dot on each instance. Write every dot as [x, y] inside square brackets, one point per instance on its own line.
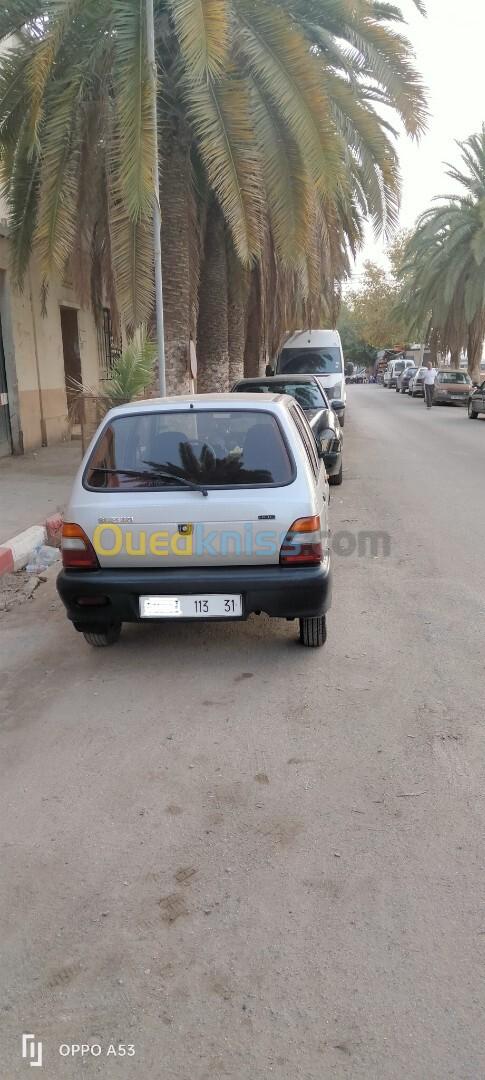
[157, 217]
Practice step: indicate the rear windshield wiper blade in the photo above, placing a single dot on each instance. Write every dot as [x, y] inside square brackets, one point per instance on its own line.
[159, 470]
[145, 474]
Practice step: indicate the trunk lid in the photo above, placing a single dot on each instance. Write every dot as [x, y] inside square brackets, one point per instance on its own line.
[228, 528]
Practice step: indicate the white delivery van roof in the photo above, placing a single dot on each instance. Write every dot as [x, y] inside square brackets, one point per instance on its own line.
[313, 339]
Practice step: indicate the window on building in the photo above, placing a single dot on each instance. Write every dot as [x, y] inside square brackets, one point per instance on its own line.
[109, 352]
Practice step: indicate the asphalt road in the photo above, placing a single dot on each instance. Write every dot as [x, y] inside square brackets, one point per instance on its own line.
[251, 860]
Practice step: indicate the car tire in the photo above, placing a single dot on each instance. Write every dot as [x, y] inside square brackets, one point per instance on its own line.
[471, 413]
[342, 420]
[397, 390]
[313, 632]
[337, 478]
[102, 639]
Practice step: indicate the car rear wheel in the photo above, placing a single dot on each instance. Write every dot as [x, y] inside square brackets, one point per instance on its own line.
[337, 478]
[471, 412]
[101, 639]
[397, 390]
[313, 632]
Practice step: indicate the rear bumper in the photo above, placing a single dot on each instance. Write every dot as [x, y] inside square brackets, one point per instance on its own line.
[281, 592]
[443, 399]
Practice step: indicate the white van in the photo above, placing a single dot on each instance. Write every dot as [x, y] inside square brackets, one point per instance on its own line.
[395, 369]
[315, 352]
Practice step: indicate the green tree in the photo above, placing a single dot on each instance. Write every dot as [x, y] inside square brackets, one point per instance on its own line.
[373, 306]
[444, 264]
[270, 118]
[356, 350]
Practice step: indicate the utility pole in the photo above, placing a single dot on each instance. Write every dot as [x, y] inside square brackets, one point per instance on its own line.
[157, 217]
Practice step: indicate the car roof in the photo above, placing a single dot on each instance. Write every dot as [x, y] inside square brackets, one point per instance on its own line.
[312, 339]
[203, 402]
[264, 380]
[452, 371]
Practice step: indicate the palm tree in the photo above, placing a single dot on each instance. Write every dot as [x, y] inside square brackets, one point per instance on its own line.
[444, 264]
[276, 106]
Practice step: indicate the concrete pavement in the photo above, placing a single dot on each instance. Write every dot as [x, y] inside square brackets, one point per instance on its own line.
[36, 485]
[246, 859]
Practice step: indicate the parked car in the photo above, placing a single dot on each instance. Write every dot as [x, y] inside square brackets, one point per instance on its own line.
[404, 379]
[315, 352]
[416, 384]
[205, 507]
[452, 387]
[476, 402]
[321, 415]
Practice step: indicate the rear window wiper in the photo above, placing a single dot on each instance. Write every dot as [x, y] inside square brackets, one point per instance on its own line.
[159, 470]
[145, 474]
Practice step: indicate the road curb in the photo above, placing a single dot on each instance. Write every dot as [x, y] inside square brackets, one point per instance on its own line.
[17, 552]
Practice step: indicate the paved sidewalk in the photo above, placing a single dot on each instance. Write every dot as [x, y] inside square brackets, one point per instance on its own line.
[35, 485]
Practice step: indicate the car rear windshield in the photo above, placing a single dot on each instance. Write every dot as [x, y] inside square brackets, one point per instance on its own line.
[324, 361]
[455, 377]
[213, 449]
[308, 395]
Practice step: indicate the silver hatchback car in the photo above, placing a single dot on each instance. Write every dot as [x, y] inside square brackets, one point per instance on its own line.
[199, 508]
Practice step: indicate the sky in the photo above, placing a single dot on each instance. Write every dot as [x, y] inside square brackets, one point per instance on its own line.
[450, 54]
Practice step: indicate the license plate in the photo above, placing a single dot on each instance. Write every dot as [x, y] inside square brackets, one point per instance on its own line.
[191, 607]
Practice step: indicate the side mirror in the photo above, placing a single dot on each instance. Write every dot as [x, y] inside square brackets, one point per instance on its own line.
[338, 406]
[269, 371]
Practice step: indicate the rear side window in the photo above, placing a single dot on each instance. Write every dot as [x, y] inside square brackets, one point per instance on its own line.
[307, 439]
[216, 449]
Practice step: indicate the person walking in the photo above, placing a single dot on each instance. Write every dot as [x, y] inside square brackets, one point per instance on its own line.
[429, 381]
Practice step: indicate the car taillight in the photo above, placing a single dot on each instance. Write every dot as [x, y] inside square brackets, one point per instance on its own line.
[303, 543]
[77, 550]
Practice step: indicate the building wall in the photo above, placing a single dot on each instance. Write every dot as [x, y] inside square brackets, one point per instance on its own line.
[35, 358]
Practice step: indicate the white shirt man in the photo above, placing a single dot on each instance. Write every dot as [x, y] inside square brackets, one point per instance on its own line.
[429, 381]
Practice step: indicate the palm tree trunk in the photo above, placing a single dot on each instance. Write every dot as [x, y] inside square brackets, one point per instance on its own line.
[212, 330]
[253, 351]
[176, 215]
[238, 295]
[433, 344]
[476, 335]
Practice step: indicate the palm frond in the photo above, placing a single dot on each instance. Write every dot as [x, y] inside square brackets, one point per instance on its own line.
[202, 28]
[282, 61]
[134, 148]
[59, 177]
[220, 114]
[285, 181]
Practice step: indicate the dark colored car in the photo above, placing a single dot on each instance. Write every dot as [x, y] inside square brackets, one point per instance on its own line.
[404, 380]
[476, 402]
[322, 415]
